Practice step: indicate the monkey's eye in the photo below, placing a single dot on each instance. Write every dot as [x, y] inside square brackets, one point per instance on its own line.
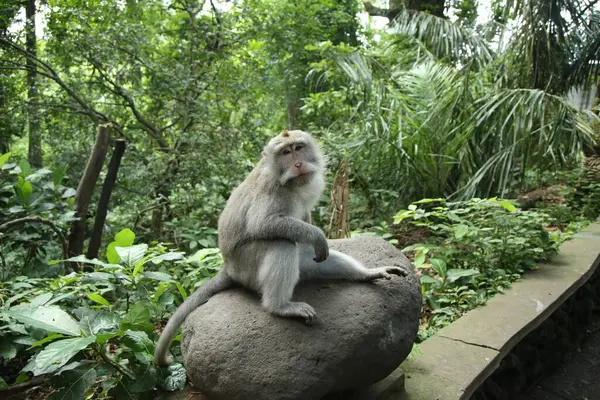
[286, 151]
[298, 147]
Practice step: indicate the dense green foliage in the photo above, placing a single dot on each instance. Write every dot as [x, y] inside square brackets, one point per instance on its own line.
[446, 104]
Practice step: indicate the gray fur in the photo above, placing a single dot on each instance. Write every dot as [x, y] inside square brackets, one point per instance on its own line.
[267, 240]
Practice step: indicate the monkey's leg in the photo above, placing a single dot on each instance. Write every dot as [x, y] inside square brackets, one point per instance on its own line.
[341, 266]
[278, 275]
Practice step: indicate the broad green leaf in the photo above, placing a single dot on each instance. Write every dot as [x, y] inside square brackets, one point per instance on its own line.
[58, 174]
[173, 377]
[4, 158]
[76, 382]
[159, 276]
[171, 256]
[419, 259]
[57, 354]
[24, 191]
[111, 254]
[137, 318]
[95, 322]
[166, 299]
[200, 255]
[49, 318]
[69, 193]
[41, 300]
[145, 381]
[3, 384]
[426, 279]
[456, 273]
[125, 238]
[25, 167]
[507, 206]
[98, 299]
[133, 254]
[439, 266]
[140, 343]
[460, 230]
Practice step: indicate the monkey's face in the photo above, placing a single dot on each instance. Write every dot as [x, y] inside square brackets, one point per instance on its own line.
[295, 156]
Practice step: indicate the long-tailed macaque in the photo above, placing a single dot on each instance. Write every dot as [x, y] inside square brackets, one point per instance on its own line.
[267, 239]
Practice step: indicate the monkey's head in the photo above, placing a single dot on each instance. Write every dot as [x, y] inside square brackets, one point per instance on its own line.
[296, 157]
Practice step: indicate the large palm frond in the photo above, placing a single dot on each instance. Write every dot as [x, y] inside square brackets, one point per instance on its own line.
[445, 39]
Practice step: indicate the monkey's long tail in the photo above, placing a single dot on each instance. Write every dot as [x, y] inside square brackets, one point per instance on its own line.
[217, 284]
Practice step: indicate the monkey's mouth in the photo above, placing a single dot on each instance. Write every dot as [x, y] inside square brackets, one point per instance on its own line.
[304, 177]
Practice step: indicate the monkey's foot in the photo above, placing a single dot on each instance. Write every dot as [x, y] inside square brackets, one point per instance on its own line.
[297, 310]
[387, 272]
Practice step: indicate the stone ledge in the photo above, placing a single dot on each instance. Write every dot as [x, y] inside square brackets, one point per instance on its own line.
[459, 358]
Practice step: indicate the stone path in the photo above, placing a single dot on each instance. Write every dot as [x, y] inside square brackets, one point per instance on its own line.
[578, 378]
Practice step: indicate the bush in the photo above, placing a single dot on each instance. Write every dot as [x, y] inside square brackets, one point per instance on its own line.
[475, 250]
[95, 331]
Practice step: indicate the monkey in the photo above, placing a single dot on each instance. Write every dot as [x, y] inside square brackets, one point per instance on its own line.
[267, 238]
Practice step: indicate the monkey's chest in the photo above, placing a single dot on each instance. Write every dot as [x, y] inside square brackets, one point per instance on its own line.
[298, 210]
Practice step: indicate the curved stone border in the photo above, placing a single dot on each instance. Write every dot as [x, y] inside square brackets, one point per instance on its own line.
[460, 357]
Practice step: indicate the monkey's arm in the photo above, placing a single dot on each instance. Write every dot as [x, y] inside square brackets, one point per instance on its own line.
[281, 226]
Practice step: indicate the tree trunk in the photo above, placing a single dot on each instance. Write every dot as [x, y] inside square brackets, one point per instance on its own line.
[33, 118]
[85, 189]
[107, 187]
[339, 226]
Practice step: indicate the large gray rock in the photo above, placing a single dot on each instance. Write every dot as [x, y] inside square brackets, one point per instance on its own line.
[233, 349]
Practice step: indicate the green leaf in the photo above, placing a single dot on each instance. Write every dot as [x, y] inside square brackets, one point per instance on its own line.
[82, 259]
[7, 350]
[95, 322]
[98, 299]
[76, 382]
[456, 273]
[159, 276]
[111, 254]
[57, 354]
[25, 167]
[145, 381]
[419, 259]
[137, 318]
[125, 238]
[460, 230]
[171, 256]
[140, 343]
[133, 254]
[172, 378]
[49, 318]
[181, 290]
[166, 299]
[69, 193]
[439, 266]
[507, 206]
[4, 158]
[58, 174]
[24, 191]
[426, 279]
[50, 338]
[41, 300]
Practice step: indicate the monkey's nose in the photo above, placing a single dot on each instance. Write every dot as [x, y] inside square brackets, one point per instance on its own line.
[298, 165]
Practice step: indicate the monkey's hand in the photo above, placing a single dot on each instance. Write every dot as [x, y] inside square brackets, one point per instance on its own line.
[321, 246]
[387, 272]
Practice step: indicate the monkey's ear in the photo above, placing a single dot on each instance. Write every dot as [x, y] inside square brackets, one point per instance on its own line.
[263, 154]
[285, 133]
